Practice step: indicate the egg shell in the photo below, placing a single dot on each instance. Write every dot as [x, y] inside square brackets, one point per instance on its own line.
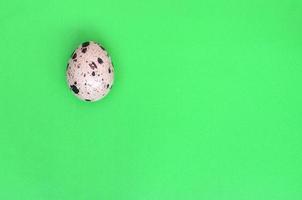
[90, 72]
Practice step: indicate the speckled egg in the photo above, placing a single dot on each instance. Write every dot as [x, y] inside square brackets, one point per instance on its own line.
[90, 72]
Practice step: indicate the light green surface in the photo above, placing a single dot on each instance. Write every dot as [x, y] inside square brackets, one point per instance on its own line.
[206, 104]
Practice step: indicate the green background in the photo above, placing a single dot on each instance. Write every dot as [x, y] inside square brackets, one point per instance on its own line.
[206, 102]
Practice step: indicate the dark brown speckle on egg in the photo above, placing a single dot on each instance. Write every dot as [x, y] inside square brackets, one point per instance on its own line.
[85, 44]
[74, 56]
[84, 50]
